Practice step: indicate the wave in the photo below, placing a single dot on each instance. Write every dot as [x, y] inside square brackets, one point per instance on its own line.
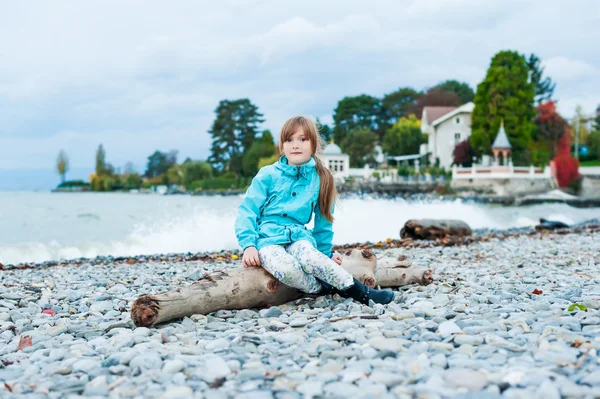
[357, 220]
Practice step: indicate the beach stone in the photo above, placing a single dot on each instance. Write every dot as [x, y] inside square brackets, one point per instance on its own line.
[468, 339]
[181, 392]
[448, 328]
[173, 366]
[386, 344]
[547, 390]
[299, 322]
[146, 361]
[273, 311]
[465, 378]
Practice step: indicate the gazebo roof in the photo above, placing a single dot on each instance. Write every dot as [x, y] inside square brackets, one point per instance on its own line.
[501, 142]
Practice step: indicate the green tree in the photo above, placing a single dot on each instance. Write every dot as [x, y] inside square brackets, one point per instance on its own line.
[325, 131]
[505, 94]
[174, 175]
[195, 171]
[362, 111]
[359, 143]
[132, 181]
[62, 165]
[159, 163]
[544, 88]
[101, 161]
[404, 138]
[461, 89]
[261, 148]
[233, 132]
[398, 104]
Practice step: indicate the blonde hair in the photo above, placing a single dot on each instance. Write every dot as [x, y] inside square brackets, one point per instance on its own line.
[327, 191]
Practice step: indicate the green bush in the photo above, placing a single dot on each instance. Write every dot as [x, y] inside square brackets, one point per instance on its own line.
[73, 183]
[221, 183]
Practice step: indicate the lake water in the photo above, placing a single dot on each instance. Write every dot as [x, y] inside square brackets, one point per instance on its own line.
[41, 226]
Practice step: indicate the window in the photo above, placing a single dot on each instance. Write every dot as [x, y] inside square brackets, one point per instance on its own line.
[457, 137]
[457, 121]
[342, 167]
[330, 164]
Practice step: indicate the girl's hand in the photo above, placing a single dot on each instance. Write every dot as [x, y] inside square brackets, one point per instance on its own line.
[250, 257]
[337, 258]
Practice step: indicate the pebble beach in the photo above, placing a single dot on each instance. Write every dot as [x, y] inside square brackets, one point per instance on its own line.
[512, 317]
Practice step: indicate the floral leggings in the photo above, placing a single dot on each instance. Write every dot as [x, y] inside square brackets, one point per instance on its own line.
[300, 264]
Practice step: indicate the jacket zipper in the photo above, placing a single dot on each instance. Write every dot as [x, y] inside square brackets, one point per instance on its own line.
[298, 174]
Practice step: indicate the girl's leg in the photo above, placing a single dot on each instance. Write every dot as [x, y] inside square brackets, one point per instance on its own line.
[319, 265]
[286, 269]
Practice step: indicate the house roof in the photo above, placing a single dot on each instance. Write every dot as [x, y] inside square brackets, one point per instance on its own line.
[433, 113]
[501, 141]
[465, 108]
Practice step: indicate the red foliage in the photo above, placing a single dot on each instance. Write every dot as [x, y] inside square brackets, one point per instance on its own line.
[463, 154]
[550, 125]
[565, 166]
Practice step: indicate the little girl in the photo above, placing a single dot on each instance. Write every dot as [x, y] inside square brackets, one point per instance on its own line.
[270, 226]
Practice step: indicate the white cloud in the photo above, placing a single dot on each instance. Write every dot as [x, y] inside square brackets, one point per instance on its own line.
[145, 75]
[562, 68]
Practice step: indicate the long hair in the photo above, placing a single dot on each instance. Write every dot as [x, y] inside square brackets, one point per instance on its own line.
[327, 191]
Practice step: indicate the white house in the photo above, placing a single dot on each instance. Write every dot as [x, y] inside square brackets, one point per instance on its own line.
[337, 162]
[445, 127]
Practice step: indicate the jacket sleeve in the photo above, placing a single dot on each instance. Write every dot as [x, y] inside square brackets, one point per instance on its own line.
[323, 232]
[246, 223]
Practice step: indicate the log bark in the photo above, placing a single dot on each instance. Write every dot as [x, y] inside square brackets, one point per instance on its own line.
[431, 229]
[253, 287]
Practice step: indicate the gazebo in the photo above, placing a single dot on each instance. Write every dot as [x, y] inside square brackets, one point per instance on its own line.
[337, 162]
[502, 147]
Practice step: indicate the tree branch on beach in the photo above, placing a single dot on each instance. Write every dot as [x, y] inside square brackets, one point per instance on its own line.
[253, 287]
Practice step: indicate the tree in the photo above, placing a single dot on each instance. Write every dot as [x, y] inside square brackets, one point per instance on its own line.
[505, 94]
[159, 163]
[404, 138]
[325, 131]
[62, 165]
[544, 88]
[175, 175]
[233, 132]
[101, 161]
[461, 89]
[128, 169]
[436, 97]
[549, 128]
[262, 148]
[593, 140]
[195, 171]
[398, 104]
[355, 112]
[359, 143]
[463, 154]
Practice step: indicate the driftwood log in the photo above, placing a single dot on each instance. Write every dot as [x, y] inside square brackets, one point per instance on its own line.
[431, 229]
[253, 287]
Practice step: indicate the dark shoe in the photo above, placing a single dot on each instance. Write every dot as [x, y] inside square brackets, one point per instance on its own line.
[362, 293]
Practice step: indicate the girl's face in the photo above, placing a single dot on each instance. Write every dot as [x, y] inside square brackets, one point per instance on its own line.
[297, 148]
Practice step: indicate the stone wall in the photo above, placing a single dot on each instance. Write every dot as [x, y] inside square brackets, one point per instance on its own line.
[503, 187]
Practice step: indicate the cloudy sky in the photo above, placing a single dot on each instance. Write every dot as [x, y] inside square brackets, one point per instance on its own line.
[138, 76]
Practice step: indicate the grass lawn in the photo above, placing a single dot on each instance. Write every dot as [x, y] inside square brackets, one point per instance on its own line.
[590, 163]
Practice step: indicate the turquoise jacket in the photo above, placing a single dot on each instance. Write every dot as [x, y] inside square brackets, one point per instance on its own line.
[278, 204]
